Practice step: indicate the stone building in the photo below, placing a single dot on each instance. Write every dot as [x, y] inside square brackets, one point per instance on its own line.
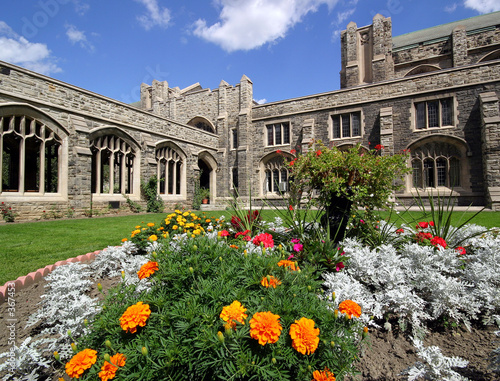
[433, 91]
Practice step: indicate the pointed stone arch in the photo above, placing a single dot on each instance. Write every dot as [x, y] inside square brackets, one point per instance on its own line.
[421, 69]
[208, 168]
[275, 177]
[494, 55]
[171, 170]
[202, 123]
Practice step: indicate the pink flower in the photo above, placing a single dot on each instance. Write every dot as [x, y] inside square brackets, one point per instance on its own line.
[290, 257]
[298, 247]
[461, 250]
[438, 241]
[362, 221]
[265, 238]
[339, 266]
[295, 240]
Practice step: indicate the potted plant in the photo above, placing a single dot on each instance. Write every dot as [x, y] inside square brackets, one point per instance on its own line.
[204, 195]
[343, 179]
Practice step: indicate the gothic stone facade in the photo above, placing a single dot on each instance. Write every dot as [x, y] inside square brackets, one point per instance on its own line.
[434, 92]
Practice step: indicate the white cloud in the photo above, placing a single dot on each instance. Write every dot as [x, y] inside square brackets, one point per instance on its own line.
[451, 8]
[483, 6]
[249, 24]
[77, 36]
[19, 51]
[260, 101]
[155, 16]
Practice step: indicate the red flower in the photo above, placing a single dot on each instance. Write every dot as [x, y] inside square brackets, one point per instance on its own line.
[461, 250]
[431, 223]
[292, 162]
[293, 152]
[339, 266]
[290, 207]
[379, 147]
[421, 237]
[265, 238]
[223, 233]
[438, 241]
[422, 225]
[278, 151]
[400, 230]
[318, 153]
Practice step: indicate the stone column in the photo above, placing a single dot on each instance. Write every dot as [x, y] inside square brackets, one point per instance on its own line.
[459, 43]
[223, 176]
[246, 171]
[382, 63]
[349, 53]
[490, 142]
[386, 131]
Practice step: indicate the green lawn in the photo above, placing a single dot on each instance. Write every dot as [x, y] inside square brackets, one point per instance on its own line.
[26, 247]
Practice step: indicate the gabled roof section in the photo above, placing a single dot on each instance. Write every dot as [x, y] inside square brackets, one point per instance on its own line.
[443, 31]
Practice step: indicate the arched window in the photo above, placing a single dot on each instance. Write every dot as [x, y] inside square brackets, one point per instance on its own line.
[30, 156]
[276, 179]
[170, 167]
[202, 124]
[112, 165]
[435, 165]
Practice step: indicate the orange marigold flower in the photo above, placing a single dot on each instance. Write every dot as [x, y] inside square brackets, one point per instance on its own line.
[304, 336]
[135, 315]
[108, 370]
[350, 308]
[233, 247]
[124, 239]
[265, 327]
[270, 281]
[153, 237]
[80, 362]
[323, 375]
[151, 224]
[147, 269]
[290, 264]
[234, 312]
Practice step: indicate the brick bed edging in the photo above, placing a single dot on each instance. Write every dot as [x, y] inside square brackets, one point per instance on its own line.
[35, 276]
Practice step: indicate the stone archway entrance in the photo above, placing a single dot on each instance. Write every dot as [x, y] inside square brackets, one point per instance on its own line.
[205, 173]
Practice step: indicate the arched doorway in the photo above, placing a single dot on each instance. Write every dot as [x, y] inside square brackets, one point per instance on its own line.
[205, 172]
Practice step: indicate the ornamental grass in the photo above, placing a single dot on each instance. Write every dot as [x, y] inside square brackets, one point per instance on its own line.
[205, 315]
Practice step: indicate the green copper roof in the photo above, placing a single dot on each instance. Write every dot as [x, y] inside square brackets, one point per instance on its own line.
[445, 30]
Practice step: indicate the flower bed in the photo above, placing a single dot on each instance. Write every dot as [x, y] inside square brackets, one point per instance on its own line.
[217, 305]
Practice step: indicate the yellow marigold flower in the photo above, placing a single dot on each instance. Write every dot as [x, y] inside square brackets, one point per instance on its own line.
[265, 327]
[290, 264]
[350, 308]
[304, 336]
[147, 269]
[167, 222]
[137, 231]
[175, 227]
[108, 370]
[270, 281]
[178, 211]
[124, 239]
[234, 312]
[165, 235]
[135, 315]
[323, 375]
[153, 237]
[185, 214]
[138, 227]
[193, 215]
[80, 362]
[151, 224]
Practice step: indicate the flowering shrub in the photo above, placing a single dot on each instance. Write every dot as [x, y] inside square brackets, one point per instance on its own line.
[364, 177]
[7, 212]
[212, 318]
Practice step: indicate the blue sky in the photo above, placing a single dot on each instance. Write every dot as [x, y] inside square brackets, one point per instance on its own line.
[288, 48]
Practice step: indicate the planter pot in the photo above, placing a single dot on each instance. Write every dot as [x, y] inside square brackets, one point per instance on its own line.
[336, 217]
[204, 201]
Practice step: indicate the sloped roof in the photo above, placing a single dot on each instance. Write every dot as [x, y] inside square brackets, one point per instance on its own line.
[445, 30]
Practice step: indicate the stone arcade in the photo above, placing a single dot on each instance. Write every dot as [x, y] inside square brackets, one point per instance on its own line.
[433, 91]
